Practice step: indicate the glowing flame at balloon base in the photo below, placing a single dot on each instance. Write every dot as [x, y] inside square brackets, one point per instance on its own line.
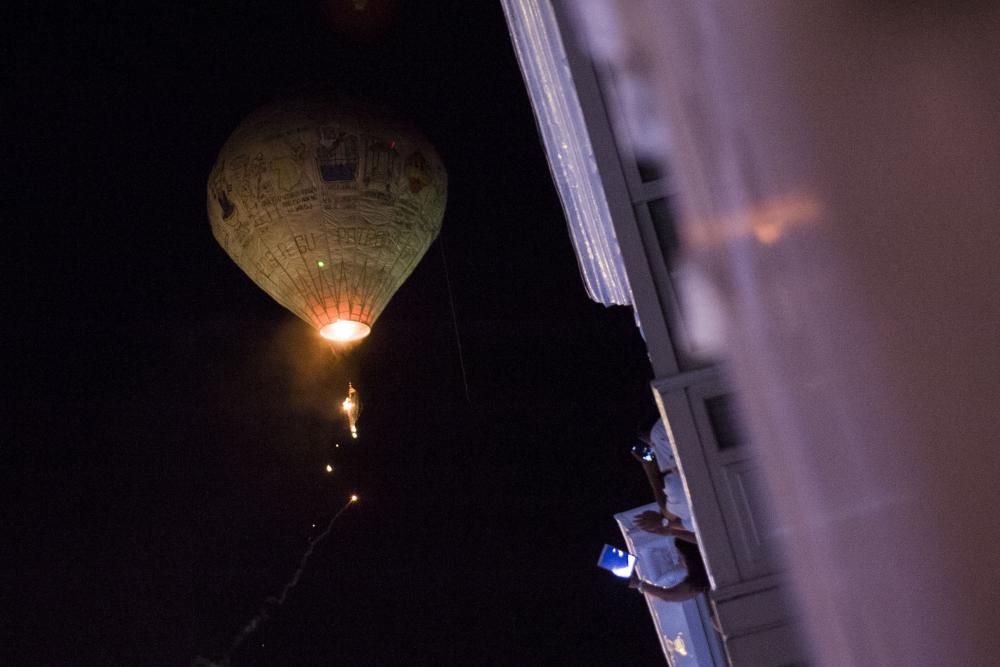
[344, 331]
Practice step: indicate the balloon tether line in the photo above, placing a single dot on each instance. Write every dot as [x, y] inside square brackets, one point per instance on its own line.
[454, 318]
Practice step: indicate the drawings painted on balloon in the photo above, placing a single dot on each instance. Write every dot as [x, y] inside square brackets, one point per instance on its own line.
[220, 189]
[417, 172]
[403, 215]
[368, 231]
[228, 208]
[298, 201]
[359, 236]
[266, 264]
[381, 163]
[262, 186]
[340, 200]
[289, 169]
[237, 230]
[305, 242]
[254, 193]
[328, 217]
[378, 198]
[337, 157]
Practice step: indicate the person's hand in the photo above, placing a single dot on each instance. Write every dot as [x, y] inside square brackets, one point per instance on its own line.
[641, 586]
[651, 522]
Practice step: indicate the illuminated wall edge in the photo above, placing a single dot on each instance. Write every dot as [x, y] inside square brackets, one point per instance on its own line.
[539, 49]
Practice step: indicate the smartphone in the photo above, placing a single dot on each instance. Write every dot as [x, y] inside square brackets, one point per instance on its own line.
[617, 562]
[644, 451]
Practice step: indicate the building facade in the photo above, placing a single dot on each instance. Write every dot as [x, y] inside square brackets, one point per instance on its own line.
[619, 211]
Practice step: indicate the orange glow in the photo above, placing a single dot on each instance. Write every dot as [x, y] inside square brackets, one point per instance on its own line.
[354, 498]
[345, 331]
[767, 222]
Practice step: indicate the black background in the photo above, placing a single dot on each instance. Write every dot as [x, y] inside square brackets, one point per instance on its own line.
[167, 423]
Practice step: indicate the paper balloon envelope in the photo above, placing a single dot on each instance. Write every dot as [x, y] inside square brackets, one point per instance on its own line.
[328, 208]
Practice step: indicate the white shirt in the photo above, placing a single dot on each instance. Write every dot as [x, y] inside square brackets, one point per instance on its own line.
[677, 500]
[673, 485]
[661, 446]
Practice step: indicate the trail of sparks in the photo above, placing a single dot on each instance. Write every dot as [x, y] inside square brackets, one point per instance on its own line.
[272, 602]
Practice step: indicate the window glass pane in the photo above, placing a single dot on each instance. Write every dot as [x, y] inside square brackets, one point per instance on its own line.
[666, 231]
[725, 421]
[648, 170]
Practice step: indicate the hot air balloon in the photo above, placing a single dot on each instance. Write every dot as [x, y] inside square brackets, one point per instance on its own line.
[328, 207]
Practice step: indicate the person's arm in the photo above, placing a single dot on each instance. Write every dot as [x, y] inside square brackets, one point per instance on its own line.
[651, 522]
[682, 592]
[652, 471]
[675, 530]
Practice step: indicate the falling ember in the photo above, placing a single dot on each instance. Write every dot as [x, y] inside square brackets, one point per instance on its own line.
[354, 498]
[329, 468]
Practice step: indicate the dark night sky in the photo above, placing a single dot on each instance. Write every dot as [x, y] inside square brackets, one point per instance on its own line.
[165, 433]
